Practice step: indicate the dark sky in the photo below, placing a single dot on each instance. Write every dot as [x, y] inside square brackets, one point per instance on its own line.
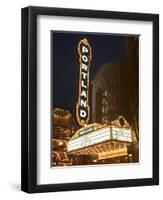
[105, 49]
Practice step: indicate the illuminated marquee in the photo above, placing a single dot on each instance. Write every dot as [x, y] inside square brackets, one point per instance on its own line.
[119, 134]
[89, 139]
[82, 106]
[101, 135]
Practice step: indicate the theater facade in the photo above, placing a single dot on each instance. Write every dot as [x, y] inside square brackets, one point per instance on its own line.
[103, 129]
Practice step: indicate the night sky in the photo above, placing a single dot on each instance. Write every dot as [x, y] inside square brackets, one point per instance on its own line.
[105, 49]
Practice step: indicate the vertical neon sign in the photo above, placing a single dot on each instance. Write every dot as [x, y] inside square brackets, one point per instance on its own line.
[82, 106]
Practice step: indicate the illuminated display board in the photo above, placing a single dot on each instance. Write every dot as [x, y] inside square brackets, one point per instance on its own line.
[101, 135]
[121, 134]
[92, 138]
[82, 106]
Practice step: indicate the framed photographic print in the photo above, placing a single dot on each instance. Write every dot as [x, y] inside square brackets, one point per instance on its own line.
[90, 99]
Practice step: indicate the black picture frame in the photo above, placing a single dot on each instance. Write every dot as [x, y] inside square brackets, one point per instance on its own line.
[29, 99]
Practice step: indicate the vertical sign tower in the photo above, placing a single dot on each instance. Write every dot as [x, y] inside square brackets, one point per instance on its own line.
[82, 106]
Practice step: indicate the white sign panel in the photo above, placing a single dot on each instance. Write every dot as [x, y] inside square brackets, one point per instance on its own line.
[122, 134]
[92, 138]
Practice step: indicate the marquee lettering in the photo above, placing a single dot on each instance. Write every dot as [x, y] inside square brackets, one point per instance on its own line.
[82, 106]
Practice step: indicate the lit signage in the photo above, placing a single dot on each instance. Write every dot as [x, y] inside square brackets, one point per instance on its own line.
[95, 137]
[121, 151]
[86, 130]
[82, 106]
[100, 135]
[121, 134]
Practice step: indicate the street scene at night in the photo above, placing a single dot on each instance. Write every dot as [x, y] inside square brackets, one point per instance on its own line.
[95, 99]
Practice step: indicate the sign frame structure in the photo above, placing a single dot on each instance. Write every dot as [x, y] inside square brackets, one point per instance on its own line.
[29, 84]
